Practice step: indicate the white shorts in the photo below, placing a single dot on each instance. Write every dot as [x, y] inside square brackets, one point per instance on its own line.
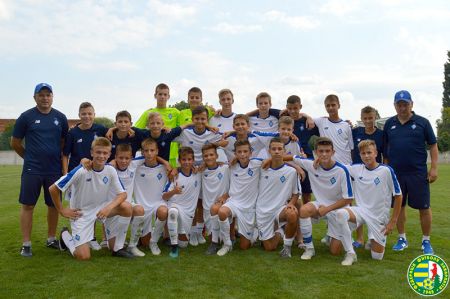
[375, 225]
[184, 220]
[149, 214]
[266, 223]
[245, 219]
[83, 227]
[111, 227]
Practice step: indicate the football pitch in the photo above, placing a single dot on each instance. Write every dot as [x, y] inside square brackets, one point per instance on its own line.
[240, 274]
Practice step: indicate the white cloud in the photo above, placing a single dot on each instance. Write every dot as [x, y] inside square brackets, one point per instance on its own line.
[340, 8]
[108, 66]
[173, 10]
[296, 22]
[6, 10]
[418, 14]
[228, 28]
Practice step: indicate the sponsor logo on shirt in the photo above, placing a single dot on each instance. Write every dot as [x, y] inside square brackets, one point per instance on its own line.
[37, 121]
[377, 181]
[339, 131]
[159, 176]
[88, 180]
[283, 179]
[270, 123]
[80, 140]
[56, 122]
[105, 180]
[250, 172]
[393, 127]
[77, 237]
[333, 180]
[220, 176]
[170, 116]
[413, 126]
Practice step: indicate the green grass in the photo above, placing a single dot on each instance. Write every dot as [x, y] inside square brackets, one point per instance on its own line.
[252, 273]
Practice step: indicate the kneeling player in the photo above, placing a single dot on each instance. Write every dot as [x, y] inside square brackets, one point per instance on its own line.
[182, 196]
[374, 186]
[275, 206]
[241, 203]
[91, 190]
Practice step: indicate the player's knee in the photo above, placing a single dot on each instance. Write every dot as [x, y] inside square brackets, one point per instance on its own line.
[27, 208]
[268, 246]
[292, 216]
[377, 255]
[138, 211]
[214, 210]
[244, 245]
[223, 214]
[162, 213]
[82, 255]
[126, 209]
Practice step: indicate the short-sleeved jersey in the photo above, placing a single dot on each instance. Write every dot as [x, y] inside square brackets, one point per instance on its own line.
[303, 134]
[164, 141]
[127, 175]
[190, 186]
[169, 116]
[290, 147]
[134, 141]
[341, 134]
[244, 184]
[256, 145]
[78, 143]
[224, 123]
[186, 116]
[197, 140]
[405, 145]
[149, 183]
[374, 188]
[90, 189]
[328, 185]
[43, 134]
[359, 134]
[276, 187]
[215, 183]
[268, 124]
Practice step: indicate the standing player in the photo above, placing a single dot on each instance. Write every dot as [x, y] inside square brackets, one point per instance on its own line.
[405, 137]
[182, 196]
[263, 121]
[241, 198]
[150, 179]
[375, 184]
[215, 183]
[195, 99]
[121, 134]
[91, 200]
[43, 128]
[331, 185]
[169, 115]
[277, 197]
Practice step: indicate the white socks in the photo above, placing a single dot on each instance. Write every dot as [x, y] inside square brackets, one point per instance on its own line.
[172, 225]
[68, 240]
[225, 231]
[122, 228]
[199, 228]
[376, 255]
[342, 218]
[306, 229]
[158, 230]
[136, 230]
[215, 229]
[288, 241]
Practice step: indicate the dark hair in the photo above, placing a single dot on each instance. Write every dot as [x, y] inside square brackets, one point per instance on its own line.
[123, 113]
[209, 146]
[85, 105]
[323, 141]
[195, 89]
[241, 143]
[224, 91]
[199, 110]
[276, 139]
[185, 150]
[243, 116]
[124, 147]
[331, 98]
[161, 86]
[148, 141]
[263, 95]
[293, 99]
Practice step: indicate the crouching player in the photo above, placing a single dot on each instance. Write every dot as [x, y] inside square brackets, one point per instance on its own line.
[241, 203]
[182, 196]
[331, 185]
[89, 202]
[279, 189]
[374, 186]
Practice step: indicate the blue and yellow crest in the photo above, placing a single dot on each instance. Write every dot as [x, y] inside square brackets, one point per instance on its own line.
[428, 275]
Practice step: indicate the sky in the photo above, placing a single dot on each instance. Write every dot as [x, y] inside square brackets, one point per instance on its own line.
[113, 53]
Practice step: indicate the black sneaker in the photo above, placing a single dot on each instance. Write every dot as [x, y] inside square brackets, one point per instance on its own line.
[53, 244]
[212, 249]
[122, 253]
[26, 251]
[167, 242]
[62, 245]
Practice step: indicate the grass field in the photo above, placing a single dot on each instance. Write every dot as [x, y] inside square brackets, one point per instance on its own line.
[253, 273]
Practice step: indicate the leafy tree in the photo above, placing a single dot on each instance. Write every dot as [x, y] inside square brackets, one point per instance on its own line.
[5, 137]
[443, 124]
[180, 105]
[446, 83]
[107, 122]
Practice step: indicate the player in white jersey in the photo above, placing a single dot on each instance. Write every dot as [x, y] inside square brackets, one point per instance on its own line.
[279, 190]
[181, 196]
[215, 183]
[338, 130]
[331, 185]
[241, 198]
[375, 184]
[224, 120]
[199, 135]
[149, 182]
[241, 127]
[263, 122]
[90, 201]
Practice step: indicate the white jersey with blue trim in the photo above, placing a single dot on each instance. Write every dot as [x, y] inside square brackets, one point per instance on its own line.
[291, 147]
[276, 187]
[255, 143]
[244, 184]
[149, 183]
[341, 134]
[90, 189]
[191, 187]
[127, 175]
[196, 141]
[215, 183]
[374, 188]
[223, 123]
[328, 185]
[268, 124]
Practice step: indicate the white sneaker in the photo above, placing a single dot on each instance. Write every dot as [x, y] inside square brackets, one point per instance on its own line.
[135, 251]
[224, 250]
[200, 238]
[94, 245]
[308, 254]
[326, 240]
[104, 244]
[193, 239]
[154, 248]
[349, 259]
